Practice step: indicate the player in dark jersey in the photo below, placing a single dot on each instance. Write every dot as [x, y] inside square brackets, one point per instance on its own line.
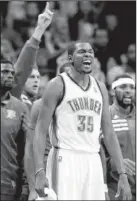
[13, 133]
[123, 119]
[81, 57]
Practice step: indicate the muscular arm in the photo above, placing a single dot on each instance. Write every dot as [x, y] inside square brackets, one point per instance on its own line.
[24, 65]
[103, 160]
[29, 161]
[110, 137]
[52, 95]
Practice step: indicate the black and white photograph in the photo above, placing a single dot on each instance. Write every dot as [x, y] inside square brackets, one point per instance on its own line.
[68, 100]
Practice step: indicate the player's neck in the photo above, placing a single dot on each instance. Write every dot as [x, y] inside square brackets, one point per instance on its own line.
[81, 78]
[3, 94]
[30, 96]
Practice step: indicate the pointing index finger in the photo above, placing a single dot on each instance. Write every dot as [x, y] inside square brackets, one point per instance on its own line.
[47, 6]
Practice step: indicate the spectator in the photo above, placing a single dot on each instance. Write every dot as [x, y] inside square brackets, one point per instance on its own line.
[97, 72]
[101, 50]
[130, 65]
[111, 23]
[32, 12]
[7, 52]
[58, 38]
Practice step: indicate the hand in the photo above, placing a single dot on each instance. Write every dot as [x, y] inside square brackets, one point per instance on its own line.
[130, 167]
[32, 195]
[44, 20]
[41, 183]
[124, 188]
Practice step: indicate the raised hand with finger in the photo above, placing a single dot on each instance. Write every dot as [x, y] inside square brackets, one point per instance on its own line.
[44, 20]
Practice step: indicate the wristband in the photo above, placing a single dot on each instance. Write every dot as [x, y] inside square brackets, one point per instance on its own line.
[105, 188]
[39, 170]
[38, 33]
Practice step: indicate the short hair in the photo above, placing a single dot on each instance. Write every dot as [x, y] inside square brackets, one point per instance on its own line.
[6, 62]
[72, 48]
[122, 76]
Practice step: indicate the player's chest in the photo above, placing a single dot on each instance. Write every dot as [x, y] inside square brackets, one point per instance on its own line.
[10, 121]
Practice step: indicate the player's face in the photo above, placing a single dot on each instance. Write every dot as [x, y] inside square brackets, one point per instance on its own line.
[32, 83]
[125, 94]
[83, 58]
[7, 76]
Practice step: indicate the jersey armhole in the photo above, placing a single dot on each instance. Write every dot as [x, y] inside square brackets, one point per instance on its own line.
[63, 95]
[100, 88]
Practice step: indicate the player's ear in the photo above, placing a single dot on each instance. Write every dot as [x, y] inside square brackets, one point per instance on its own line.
[113, 92]
[70, 58]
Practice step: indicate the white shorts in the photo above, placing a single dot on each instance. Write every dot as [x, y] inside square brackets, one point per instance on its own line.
[75, 175]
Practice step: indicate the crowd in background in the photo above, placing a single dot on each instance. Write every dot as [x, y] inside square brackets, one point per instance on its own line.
[109, 26]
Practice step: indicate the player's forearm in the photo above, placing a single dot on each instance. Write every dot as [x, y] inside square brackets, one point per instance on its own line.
[39, 145]
[114, 150]
[29, 165]
[103, 160]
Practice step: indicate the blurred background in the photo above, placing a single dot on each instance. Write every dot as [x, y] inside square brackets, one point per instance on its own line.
[109, 26]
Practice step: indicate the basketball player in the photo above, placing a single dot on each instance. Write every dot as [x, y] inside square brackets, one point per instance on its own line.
[75, 106]
[29, 161]
[123, 120]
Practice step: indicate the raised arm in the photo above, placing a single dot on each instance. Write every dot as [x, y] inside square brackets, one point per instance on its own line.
[27, 57]
[113, 147]
[52, 96]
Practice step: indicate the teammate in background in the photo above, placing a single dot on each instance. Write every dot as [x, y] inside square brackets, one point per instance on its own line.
[73, 106]
[13, 133]
[27, 58]
[123, 119]
[30, 91]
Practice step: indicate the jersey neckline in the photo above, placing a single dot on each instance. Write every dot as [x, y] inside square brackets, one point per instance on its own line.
[86, 89]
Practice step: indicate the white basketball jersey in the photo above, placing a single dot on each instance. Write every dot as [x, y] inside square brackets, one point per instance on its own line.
[77, 120]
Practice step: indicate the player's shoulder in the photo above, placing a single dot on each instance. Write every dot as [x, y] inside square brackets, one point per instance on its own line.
[55, 85]
[102, 88]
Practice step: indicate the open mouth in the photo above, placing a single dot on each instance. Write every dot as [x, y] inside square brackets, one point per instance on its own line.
[87, 63]
[35, 87]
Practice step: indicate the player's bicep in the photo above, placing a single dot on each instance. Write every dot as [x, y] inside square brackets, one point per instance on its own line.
[106, 117]
[32, 123]
[50, 99]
